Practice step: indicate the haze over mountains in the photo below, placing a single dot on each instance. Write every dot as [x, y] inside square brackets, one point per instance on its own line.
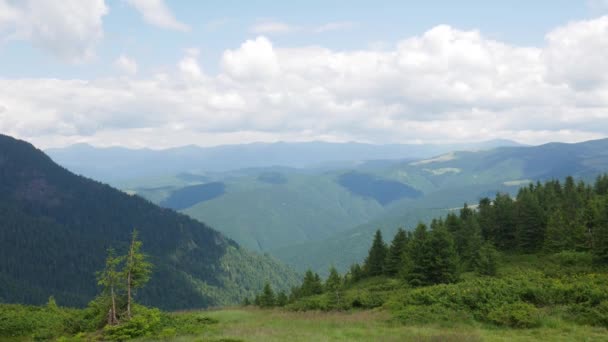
[317, 204]
[115, 164]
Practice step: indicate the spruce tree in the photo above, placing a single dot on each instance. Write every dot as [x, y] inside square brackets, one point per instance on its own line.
[137, 269]
[267, 299]
[394, 259]
[530, 227]
[443, 261]
[355, 273]
[333, 286]
[419, 254]
[111, 279]
[486, 262]
[374, 263]
[281, 299]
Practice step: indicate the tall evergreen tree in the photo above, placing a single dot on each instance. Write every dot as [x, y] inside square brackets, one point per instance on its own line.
[505, 224]
[137, 269]
[486, 262]
[420, 255]
[333, 286]
[374, 263]
[395, 256]
[443, 261]
[530, 225]
[111, 279]
[267, 299]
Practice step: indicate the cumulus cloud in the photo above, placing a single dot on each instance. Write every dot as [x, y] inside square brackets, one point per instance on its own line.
[44, 24]
[444, 85]
[156, 12]
[126, 65]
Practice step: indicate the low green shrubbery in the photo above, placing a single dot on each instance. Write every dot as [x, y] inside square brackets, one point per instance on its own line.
[515, 315]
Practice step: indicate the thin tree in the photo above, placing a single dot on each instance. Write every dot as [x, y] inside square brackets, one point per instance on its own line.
[137, 269]
[110, 278]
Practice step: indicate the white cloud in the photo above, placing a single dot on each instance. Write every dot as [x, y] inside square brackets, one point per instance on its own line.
[44, 24]
[189, 66]
[576, 54]
[335, 26]
[156, 12]
[445, 85]
[255, 59]
[126, 64]
[269, 27]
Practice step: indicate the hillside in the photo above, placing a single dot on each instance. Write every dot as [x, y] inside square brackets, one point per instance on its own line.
[447, 182]
[56, 227]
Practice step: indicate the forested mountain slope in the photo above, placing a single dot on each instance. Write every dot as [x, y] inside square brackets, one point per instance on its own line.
[55, 228]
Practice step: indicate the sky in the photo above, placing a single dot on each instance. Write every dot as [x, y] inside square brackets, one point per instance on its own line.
[158, 74]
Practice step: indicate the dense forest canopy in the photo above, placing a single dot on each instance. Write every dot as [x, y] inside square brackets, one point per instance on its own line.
[56, 227]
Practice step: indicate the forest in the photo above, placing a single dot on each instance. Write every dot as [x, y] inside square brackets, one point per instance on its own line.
[536, 262]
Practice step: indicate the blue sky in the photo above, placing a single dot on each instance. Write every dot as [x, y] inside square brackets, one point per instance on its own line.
[219, 25]
[160, 73]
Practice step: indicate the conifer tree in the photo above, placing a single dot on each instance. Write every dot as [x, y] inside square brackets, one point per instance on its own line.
[530, 227]
[355, 273]
[333, 286]
[420, 255]
[395, 256]
[556, 235]
[486, 262]
[374, 263]
[442, 264]
[137, 269]
[281, 299]
[267, 298]
[311, 285]
[111, 279]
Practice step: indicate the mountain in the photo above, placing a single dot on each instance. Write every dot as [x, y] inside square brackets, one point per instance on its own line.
[448, 181]
[115, 164]
[56, 226]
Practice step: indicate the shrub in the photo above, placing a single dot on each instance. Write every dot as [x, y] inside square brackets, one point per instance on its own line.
[516, 315]
[144, 322]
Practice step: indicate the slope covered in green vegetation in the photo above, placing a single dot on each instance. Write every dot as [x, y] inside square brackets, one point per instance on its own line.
[56, 227]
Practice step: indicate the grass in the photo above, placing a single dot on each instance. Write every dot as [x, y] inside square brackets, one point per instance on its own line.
[249, 324]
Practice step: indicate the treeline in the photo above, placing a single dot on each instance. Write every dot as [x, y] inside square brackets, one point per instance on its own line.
[542, 218]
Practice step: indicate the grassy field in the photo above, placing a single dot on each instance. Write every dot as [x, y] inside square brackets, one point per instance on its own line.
[245, 324]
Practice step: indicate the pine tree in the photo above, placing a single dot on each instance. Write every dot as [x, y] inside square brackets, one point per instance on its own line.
[333, 286]
[394, 259]
[556, 235]
[311, 285]
[505, 224]
[530, 226]
[137, 269]
[442, 264]
[281, 299]
[355, 273]
[374, 263]
[419, 255]
[486, 262]
[267, 299]
[111, 280]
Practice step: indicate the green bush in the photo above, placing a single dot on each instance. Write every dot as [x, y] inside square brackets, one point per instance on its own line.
[592, 315]
[516, 315]
[144, 322]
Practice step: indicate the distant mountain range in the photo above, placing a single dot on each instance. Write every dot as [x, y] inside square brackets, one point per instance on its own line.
[55, 228]
[114, 164]
[326, 213]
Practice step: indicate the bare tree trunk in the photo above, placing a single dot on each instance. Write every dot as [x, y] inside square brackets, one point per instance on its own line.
[114, 319]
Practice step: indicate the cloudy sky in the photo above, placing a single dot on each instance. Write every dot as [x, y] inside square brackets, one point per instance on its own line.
[160, 73]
